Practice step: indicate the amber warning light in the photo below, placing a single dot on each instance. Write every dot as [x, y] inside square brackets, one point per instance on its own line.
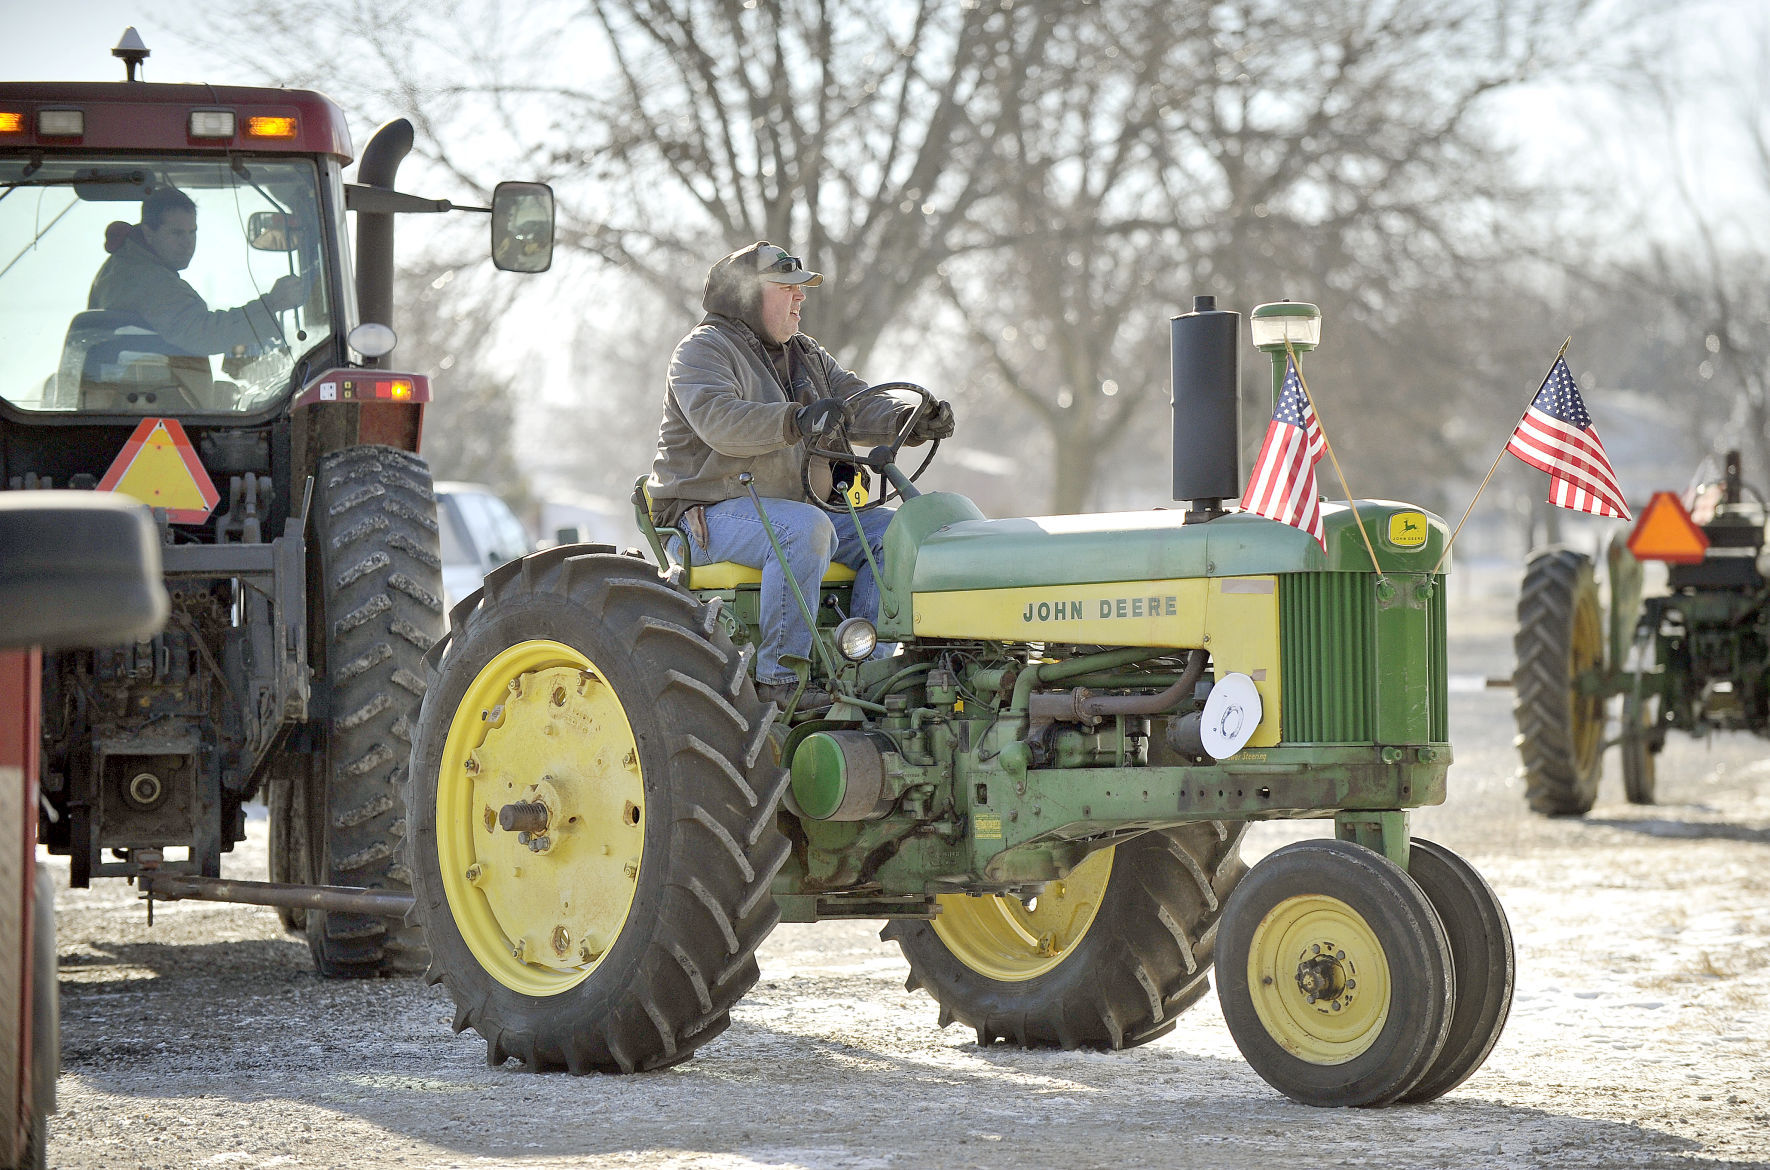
[1665, 532]
[269, 127]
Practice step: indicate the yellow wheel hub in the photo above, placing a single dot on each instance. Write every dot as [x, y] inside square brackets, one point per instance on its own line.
[540, 817]
[1319, 979]
[1010, 940]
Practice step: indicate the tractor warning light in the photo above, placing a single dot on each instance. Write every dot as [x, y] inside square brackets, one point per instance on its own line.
[11, 122]
[399, 389]
[1665, 532]
[266, 126]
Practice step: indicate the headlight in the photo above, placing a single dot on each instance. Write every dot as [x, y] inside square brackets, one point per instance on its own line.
[856, 639]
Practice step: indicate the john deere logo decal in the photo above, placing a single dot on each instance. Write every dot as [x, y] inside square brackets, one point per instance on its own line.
[1407, 529]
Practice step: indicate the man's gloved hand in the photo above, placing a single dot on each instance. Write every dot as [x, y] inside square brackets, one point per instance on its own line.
[936, 424]
[287, 293]
[820, 416]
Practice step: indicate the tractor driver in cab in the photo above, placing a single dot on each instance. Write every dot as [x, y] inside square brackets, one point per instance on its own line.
[141, 278]
[745, 390]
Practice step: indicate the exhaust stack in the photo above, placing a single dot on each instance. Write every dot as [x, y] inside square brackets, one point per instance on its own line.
[1206, 346]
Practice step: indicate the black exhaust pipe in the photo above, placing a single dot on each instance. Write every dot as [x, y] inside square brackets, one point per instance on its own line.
[1207, 408]
[387, 148]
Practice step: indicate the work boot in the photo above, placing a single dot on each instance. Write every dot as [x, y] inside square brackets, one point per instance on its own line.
[780, 693]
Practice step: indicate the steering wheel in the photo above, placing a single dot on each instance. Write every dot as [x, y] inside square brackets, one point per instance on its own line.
[823, 445]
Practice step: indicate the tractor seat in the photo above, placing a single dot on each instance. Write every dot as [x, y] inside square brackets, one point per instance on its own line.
[731, 575]
[714, 574]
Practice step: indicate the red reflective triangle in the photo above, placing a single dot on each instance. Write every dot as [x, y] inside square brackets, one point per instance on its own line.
[159, 467]
[1665, 532]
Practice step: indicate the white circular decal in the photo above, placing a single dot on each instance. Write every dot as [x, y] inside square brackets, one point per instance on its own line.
[1231, 715]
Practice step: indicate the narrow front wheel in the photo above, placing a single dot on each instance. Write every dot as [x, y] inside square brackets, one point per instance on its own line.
[1334, 975]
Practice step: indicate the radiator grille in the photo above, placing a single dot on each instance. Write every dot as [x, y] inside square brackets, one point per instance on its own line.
[1329, 649]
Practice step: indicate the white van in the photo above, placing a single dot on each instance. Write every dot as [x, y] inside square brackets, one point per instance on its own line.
[479, 532]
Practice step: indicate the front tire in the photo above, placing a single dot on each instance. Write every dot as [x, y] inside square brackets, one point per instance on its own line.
[616, 931]
[1335, 975]
[1106, 958]
[1560, 636]
[1481, 952]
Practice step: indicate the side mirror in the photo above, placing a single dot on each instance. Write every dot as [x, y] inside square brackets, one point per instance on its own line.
[522, 227]
[273, 231]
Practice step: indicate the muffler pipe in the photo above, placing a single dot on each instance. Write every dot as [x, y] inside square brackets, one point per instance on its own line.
[1206, 350]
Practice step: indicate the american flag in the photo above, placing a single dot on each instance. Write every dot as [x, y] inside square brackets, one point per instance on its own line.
[1282, 487]
[1556, 436]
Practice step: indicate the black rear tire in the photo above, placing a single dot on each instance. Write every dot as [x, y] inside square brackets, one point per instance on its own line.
[1560, 635]
[291, 835]
[1144, 958]
[1641, 744]
[623, 943]
[378, 584]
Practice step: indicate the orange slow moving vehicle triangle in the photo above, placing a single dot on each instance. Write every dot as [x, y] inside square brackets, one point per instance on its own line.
[1665, 532]
[159, 467]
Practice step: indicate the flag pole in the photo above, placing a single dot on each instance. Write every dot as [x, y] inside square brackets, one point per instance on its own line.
[1291, 356]
[1559, 354]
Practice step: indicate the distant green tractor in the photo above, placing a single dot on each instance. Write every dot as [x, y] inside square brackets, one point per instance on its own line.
[1044, 790]
[1695, 658]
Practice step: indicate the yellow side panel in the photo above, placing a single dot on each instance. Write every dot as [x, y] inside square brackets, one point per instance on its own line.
[1242, 620]
[1235, 618]
[1126, 613]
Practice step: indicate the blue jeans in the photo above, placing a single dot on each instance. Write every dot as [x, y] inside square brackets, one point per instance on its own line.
[810, 539]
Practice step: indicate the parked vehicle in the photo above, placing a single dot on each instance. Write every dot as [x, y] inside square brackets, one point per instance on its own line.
[76, 569]
[478, 533]
[1693, 658]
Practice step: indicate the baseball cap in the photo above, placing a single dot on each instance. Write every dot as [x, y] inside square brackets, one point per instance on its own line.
[770, 262]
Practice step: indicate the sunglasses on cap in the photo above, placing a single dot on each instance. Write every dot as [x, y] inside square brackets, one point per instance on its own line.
[785, 263]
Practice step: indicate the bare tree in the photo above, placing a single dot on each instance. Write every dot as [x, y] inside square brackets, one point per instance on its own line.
[1253, 151]
[1067, 172]
[677, 130]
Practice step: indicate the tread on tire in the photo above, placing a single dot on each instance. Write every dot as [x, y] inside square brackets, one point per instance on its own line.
[1560, 732]
[684, 950]
[1144, 959]
[378, 591]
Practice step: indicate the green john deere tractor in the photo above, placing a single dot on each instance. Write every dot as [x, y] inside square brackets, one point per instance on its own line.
[1043, 791]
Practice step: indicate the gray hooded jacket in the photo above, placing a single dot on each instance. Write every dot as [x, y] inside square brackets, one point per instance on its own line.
[135, 280]
[728, 411]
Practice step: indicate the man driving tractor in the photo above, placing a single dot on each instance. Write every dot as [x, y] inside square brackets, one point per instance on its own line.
[141, 278]
[745, 392]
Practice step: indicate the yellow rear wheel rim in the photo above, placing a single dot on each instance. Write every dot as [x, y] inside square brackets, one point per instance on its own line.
[540, 725]
[1010, 940]
[1587, 652]
[1319, 946]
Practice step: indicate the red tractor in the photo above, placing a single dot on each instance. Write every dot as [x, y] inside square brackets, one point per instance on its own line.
[76, 569]
[237, 383]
